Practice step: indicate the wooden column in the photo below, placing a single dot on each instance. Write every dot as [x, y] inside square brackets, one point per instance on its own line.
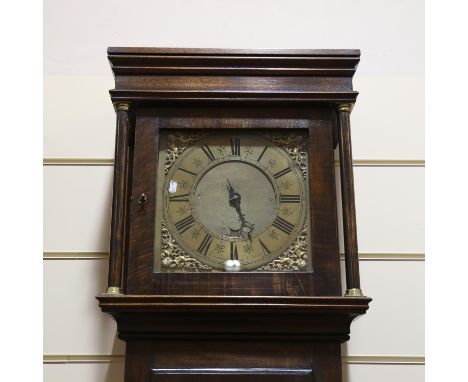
[353, 287]
[117, 241]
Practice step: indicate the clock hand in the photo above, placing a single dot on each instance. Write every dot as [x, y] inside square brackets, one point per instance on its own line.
[234, 201]
[234, 197]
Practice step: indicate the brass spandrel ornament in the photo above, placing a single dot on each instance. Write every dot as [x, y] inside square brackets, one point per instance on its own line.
[176, 145]
[294, 259]
[233, 198]
[294, 145]
[174, 258]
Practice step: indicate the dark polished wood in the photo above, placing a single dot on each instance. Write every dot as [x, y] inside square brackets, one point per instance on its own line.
[323, 213]
[232, 326]
[305, 63]
[184, 337]
[119, 198]
[266, 305]
[237, 360]
[347, 199]
[200, 75]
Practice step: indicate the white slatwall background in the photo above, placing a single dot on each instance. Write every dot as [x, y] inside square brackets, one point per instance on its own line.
[387, 344]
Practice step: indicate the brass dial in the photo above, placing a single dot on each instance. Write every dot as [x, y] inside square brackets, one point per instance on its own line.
[234, 196]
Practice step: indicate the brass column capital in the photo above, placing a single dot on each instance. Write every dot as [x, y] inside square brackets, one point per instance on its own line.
[345, 107]
[121, 106]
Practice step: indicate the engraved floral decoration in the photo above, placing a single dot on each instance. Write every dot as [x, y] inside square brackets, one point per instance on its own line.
[248, 151]
[285, 211]
[197, 162]
[183, 210]
[176, 145]
[285, 185]
[222, 150]
[248, 248]
[272, 163]
[174, 258]
[219, 248]
[273, 235]
[195, 233]
[294, 259]
[294, 145]
[183, 184]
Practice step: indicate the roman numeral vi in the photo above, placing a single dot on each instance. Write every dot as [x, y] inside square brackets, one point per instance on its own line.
[234, 255]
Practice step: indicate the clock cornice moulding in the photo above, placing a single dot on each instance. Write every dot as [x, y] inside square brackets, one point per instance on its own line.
[329, 62]
[162, 74]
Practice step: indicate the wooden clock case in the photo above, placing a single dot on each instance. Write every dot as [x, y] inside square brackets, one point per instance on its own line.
[247, 326]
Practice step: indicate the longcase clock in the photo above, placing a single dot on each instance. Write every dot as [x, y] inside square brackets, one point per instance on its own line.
[224, 262]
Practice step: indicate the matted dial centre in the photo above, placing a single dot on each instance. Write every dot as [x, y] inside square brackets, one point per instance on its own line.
[211, 199]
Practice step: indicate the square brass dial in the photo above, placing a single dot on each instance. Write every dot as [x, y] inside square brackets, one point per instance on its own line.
[232, 200]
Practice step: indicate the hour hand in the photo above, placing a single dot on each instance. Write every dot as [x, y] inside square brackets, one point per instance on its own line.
[234, 197]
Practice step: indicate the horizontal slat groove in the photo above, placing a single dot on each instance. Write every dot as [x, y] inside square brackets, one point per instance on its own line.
[82, 358]
[356, 162]
[350, 359]
[384, 360]
[77, 162]
[398, 256]
[368, 256]
[388, 163]
[74, 255]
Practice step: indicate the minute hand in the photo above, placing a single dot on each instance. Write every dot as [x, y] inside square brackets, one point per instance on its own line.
[235, 201]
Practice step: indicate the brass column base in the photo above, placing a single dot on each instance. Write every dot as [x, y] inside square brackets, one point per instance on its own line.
[354, 292]
[113, 290]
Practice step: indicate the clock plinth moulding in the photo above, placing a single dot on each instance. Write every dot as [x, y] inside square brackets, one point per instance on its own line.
[233, 326]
